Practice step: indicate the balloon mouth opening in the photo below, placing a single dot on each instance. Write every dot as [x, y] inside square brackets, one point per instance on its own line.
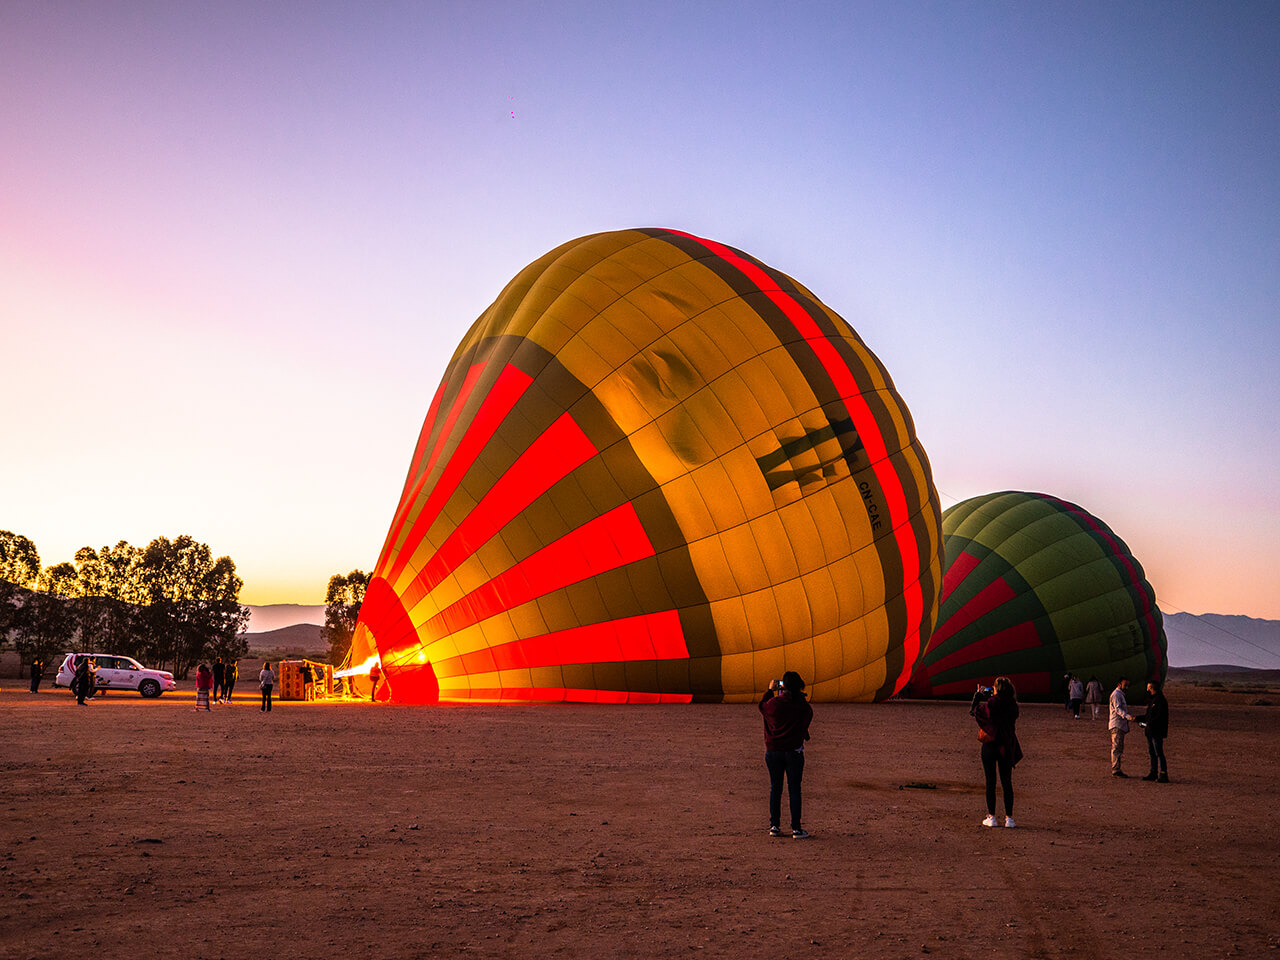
[413, 682]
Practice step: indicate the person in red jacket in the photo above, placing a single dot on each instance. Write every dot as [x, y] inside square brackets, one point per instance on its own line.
[204, 683]
[787, 716]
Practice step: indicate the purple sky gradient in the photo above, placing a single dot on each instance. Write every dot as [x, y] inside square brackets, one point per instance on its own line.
[240, 241]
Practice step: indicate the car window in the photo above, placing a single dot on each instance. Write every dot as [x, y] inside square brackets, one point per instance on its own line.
[124, 663]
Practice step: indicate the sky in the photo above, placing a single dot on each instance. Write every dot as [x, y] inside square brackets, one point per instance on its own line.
[240, 241]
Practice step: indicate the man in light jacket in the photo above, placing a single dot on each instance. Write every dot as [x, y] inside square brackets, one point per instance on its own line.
[1119, 725]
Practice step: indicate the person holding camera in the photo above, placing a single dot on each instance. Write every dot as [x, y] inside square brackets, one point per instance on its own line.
[787, 716]
[996, 710]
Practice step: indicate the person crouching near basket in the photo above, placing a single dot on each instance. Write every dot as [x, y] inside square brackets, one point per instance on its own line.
[787, 716]
[997, 715]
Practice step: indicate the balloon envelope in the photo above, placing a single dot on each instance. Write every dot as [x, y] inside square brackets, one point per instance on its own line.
[1036, 588]
[657, 470]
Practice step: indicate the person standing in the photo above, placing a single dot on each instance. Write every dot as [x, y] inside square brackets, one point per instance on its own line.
[229, 679]
[219, 677]
[997, 715]
[37, 673]
[82, 683]
[1119, 725]
[1093, 695]
[267, 681]
[1075, 693]
[1156, 723]
[308, 678]
[375, 674]
[204, 683]
[787, 715]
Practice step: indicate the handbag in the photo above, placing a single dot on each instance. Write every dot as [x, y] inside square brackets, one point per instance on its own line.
[984, 736]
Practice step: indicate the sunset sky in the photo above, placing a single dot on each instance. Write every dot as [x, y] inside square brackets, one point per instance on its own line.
[239, 242]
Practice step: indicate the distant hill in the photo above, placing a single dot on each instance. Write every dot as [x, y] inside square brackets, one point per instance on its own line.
[273, 616]
[302, 637]
[1223, 640]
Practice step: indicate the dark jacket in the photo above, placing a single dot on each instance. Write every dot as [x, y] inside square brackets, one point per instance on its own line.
[786, 721]
[82, 681]
[1157, 717]
[999, 715]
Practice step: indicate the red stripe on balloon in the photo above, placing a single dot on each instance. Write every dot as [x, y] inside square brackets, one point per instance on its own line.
[557, 452]
[956, 572]
[413, 483]
[611, 540]
[868, 431]
[651, 636]
[386, 618]
[415, 488]
[434, 411]
[1021, 636]
[565, 695]
[510, 387]
[994, 594]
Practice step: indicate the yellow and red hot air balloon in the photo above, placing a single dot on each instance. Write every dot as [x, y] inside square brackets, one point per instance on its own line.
[657, 470]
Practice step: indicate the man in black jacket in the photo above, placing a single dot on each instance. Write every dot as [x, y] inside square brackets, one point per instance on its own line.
[1156, 722]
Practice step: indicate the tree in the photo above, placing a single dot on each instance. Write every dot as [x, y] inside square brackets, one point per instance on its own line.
[111, 595]
[47, 622]
[342, 611]
[193, 610]
[19, 570]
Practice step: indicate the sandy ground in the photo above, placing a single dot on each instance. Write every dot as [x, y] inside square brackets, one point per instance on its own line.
[144, 828]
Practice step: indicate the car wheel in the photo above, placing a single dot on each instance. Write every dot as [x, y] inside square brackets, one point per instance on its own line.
[149, 689]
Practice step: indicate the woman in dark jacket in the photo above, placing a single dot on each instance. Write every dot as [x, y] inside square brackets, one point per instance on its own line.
[997, 716]
[786, 727]
[1156, 722]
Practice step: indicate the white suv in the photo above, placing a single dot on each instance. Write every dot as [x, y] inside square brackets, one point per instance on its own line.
[117, 673]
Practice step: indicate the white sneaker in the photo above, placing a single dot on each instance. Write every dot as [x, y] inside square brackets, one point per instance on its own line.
[990, 821]
[1008, 822]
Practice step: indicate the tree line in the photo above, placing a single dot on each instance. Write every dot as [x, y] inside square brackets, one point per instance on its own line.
[170, 604]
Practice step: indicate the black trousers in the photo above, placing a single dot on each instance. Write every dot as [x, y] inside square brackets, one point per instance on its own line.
[788, 763]
[992, 762]
[1155, 747]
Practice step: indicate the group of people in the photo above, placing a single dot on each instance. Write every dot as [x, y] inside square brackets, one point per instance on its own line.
[997, 714]
[1155, 722]
[218, 682]
[1079, 692]
[223, 678]
[787, 716]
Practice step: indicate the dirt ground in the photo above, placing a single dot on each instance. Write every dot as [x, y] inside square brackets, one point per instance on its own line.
[144, 828]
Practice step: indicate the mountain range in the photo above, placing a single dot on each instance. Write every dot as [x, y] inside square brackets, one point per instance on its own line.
[1222, 639]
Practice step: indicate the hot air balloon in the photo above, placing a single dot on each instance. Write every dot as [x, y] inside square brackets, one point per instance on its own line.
[1037, 588]
[656, 470]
